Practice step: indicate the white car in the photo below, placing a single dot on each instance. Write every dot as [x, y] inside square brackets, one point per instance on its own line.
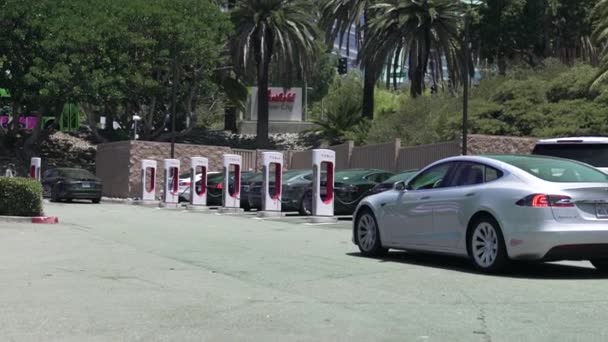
[185, 182]
[590, 150]
[492, 209]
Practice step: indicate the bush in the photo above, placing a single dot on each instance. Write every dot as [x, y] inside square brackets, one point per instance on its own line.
[20, 197]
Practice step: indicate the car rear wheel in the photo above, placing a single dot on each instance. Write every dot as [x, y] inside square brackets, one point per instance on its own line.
[306, 204]
[368, 235]
[487, 246]
[96, 200]
[600, 265]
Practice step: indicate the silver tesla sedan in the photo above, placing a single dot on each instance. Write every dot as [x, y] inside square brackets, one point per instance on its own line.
[492, 209]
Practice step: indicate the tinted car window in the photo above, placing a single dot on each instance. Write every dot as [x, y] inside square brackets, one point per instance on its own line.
[432, 178]
[592, 154]
[75, 173]
[555, 169]
[473, 174]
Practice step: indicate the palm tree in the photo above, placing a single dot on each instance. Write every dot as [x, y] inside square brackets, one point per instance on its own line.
[339, 18]
[281, 31]
[423, 30]
[600, 37]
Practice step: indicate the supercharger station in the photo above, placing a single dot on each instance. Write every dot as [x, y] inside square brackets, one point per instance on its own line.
[271, 198]
[171, 184]
[35, 164]
[148, 183]
[323, 208]
[231, 196]
[198, 195]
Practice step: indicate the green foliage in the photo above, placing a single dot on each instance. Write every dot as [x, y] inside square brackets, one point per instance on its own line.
[115, 56]
[573, 84]
[550, 102]
[20, 197]
[339, 112]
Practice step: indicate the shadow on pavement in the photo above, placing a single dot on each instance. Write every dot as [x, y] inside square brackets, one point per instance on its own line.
[517, 269]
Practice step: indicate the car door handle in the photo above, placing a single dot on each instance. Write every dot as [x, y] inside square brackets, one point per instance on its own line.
[470, 194]
[425, 198]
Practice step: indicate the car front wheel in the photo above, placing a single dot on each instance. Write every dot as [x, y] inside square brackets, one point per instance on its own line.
[306, 204]
[487, 246]
[368, 235]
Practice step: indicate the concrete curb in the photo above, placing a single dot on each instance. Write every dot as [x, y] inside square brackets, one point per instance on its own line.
[116, 200]
[35, 219]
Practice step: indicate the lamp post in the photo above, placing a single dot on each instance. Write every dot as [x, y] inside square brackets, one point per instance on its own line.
[173, 104]
[466, 79]
[136, 119]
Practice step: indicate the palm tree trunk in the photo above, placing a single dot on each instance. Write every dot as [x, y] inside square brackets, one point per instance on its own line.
[262, 124]
[369, 85]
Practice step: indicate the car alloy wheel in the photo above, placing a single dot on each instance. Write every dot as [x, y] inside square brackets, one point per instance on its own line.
[368, 236]
[486, 246]
[306, 204]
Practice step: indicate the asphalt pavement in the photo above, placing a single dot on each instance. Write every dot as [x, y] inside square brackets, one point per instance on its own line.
[115, 272]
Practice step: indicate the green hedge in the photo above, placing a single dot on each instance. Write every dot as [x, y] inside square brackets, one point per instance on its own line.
[20, 197]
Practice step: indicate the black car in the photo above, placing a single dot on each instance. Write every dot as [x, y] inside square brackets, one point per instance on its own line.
[389, 183]
[350, 186]
[295, 184]
[215, 184]
[69, 184]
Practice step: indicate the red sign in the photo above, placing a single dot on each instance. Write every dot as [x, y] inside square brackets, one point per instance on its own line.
[281, 97]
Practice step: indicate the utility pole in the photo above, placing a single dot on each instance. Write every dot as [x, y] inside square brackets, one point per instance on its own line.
[465, 93]
[173, 104]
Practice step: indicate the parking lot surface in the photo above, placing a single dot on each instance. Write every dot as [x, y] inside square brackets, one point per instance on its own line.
[124, 273]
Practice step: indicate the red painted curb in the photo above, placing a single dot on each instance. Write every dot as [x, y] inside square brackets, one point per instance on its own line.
[45, 220]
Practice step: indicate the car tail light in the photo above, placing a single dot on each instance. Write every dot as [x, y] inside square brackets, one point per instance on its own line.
[546, 201]
[184, 183]
[219, 186]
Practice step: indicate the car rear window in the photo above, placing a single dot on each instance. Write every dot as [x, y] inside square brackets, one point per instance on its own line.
[75, 173]
[351, 174]
[593, 154]
[555, 169]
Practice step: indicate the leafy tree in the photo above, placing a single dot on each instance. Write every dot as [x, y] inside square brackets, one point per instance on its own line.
[339, 113]
[268, 30]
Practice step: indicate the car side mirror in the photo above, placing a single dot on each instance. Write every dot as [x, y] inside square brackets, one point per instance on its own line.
[400, 186]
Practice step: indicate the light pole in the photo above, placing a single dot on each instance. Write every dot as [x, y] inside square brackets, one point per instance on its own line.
[465, 93]
[136, 119]
[173, 104]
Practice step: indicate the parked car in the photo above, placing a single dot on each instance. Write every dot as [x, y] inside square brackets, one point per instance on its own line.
[185, 182]
[492, 209]
[390, 183]
[350, 186]
[590, 150]
[215, 184]
[70, 183]
[294, 185]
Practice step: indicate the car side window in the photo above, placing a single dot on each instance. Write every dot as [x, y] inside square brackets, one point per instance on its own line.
[492, 174]
[433, 178]
[47, 174]
[376, 177]
[469, 173]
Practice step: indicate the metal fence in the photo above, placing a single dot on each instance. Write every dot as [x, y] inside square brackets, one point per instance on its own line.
[420, 156]
[380, 156]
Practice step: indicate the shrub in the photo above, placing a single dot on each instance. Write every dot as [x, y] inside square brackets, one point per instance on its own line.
[20, 197]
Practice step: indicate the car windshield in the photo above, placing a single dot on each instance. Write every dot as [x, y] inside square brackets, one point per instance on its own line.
[555, 169]
[593, 154]
[404, 176]
[75, 173]
[351, 175]
[217, 177]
